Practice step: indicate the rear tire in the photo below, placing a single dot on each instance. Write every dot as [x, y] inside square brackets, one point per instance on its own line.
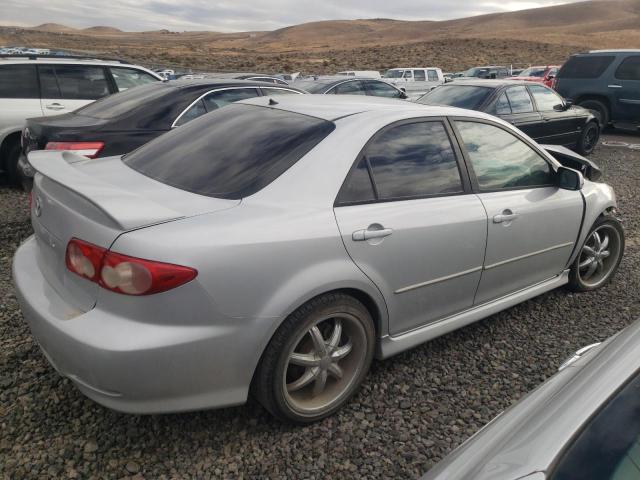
[588, 139]
[11, 164]
[599, 256]
[316, 360]
[599, 109]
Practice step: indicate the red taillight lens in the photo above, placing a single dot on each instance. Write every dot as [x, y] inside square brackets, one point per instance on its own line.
[88, 149]
[123, 274]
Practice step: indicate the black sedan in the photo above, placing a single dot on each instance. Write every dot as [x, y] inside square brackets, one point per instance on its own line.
[534, 108]
[122, 122]
[341, 85]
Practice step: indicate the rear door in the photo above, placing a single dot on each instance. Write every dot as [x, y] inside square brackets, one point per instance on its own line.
[561, 125]
[19, 96]
[66, 88]
[516, 107]
[409, 221]
[532, 224]
[626, 87]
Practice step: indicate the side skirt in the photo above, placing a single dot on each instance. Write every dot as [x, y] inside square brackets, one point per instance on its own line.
[390, 346]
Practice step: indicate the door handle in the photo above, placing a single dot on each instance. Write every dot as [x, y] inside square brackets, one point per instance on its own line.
[506, 216]
[369, 234]
[55, 106]
[614, 86]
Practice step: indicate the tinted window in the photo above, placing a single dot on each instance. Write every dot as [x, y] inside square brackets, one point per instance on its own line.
[349, 88]
[381, 89]
[358, 186]
[546, 99]
[609, 446]
[194, 111]
[221, 98]
[407, 74]
[413, 160]
[456, 96]
[126, 78]
[230, 153]
[18, 81]
[312, 86]
[500, 160]
[585, 67]
[419, 75]
[502, 105]
[520, 100]
[123, 102]
[81, 82]
[278, 91]
[433, 75]
[48, 82]
[629, 69]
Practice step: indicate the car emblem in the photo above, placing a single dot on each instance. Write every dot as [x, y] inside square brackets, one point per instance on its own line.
[38, 207]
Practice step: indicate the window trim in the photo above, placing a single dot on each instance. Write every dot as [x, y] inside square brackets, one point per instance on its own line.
[462, 168]
[173, 125]
[475, 187]
[277, 87]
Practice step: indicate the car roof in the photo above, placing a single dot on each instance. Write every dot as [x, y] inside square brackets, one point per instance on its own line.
[620, 50]
[238, 75]
[221, 83]
[334, 107]
[14, 59]
[489, 83]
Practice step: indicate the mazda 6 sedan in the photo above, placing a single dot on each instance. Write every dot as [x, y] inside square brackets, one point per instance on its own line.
[582, 424]
[278, 244]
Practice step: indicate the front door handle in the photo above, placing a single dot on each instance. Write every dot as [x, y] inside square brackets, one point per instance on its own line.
[614, 86]
[370, 234]
[506, 216]
[55, 106]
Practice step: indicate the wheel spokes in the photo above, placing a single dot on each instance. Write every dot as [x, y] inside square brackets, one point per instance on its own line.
[334, 341]
[321, 382]
[307, 377]
[592, 269]
[586, 263]
[341, 352]
[604, 244]
[318, 341]
[304, 359]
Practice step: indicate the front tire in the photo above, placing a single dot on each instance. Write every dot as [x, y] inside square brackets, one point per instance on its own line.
[599, 256]
[588, 139]
[316, 360]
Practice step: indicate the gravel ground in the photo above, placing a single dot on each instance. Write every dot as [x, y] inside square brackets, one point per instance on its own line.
[412, 410]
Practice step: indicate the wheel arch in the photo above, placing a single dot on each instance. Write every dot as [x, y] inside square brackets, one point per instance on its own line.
[8, 140]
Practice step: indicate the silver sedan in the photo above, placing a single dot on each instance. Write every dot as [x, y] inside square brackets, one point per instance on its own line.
[281, 243]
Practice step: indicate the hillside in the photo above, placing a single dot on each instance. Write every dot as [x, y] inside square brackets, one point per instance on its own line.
[544, 35]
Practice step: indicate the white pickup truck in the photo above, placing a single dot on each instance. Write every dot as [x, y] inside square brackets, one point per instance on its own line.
[413, 80]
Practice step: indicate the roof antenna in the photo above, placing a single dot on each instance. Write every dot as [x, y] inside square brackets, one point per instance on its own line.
[272, 102]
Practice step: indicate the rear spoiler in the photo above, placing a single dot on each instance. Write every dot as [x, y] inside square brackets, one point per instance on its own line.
[571, 159]
[115, 203]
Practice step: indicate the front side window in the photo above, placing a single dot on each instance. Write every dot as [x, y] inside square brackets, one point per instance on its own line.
[433, 75]
[409, 161]
[520, 100]
[393, 74]
[546, 99]
[230, 153]
[126, 78]
[609, 446]
[349, 88]
[500, 160]
[81, 82]
[629, 69]
[533, 72]
[18, 81]
[219, 99]
[419, 75]
[194, 111]
[381, 89]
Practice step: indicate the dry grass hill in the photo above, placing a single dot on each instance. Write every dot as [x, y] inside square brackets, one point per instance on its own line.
[544, 35]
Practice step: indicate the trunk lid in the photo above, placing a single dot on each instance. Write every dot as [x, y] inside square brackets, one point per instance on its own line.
[66, 127]
[96, 201]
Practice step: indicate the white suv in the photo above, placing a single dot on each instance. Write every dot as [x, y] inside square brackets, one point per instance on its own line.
[33, 86]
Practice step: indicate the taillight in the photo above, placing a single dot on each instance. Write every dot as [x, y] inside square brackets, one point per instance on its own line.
[88, 149]
[123, 274]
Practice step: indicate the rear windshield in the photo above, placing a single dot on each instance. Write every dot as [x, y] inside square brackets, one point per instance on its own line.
[585, 67]
[115, 105]
[462, 96]
[230, 153]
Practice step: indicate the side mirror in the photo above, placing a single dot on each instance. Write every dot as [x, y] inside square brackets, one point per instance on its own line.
[403, 89]
[569, 179]
[568, 103]
[403, 95]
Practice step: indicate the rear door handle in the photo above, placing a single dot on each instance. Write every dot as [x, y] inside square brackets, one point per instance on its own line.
[614, 86]
[505, 217]
[368, 234]
[55, 106]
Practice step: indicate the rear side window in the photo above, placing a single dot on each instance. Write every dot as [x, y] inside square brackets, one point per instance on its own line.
[585, 67]
[433, 75]
[230, 153]
[502, 105]
[520, 100]
[419, 75]
[406, 161]
[18, 81]
[80, 82]
[629, 69]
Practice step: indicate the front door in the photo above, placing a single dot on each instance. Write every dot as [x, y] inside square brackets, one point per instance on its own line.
[65, 88]
[411, 224]
[626, 88]
[532, 224]
[520, 112]
[561, 125]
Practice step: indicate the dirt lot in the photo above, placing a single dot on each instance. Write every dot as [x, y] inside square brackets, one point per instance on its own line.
[412, 410]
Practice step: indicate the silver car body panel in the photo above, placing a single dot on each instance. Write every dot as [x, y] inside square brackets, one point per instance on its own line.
[528, 438]
[258, 259]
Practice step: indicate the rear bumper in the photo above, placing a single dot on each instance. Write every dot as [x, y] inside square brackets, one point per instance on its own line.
[136, 366]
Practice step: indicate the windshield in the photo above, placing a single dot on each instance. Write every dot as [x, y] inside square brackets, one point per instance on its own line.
[394, 74]
[123, 102]
[230, 153]
[533, 72]
[461, 96]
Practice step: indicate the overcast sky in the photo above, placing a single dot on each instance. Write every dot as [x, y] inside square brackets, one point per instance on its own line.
[240, 15]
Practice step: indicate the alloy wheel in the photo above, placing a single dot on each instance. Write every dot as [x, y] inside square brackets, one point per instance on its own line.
[599, 256]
